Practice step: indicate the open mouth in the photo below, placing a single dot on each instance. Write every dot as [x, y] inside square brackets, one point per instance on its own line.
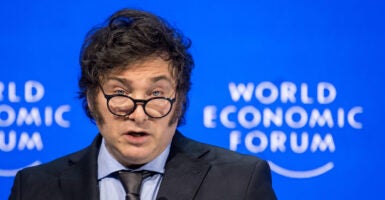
[137, 134]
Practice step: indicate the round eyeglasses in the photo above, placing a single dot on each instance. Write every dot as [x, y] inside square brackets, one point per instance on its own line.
[122, 105]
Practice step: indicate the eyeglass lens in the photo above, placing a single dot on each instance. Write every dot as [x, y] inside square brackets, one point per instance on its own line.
[156, 107]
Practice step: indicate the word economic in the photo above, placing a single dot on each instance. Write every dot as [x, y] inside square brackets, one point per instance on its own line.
[282, 106]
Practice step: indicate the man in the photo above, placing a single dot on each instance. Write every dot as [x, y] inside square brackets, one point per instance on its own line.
[135, 76]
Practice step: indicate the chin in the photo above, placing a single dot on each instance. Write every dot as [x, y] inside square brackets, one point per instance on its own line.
[138, 158]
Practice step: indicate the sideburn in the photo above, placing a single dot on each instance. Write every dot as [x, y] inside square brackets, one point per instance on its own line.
[177, 111]
[92, 105]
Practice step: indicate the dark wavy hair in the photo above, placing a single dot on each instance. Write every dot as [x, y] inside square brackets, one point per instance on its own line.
[129, 36]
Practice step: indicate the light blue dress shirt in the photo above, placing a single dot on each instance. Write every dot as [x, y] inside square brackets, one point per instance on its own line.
[111, 188]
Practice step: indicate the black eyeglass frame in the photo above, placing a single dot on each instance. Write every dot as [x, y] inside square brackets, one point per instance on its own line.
[142, 102]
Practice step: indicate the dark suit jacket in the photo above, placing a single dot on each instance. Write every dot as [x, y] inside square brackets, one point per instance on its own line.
[193, 171]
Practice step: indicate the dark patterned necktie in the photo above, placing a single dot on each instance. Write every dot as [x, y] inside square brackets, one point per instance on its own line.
[132, 182]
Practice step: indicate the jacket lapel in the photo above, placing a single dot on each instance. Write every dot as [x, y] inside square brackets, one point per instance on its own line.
[183, 176]
[184, 171]
[79, 181]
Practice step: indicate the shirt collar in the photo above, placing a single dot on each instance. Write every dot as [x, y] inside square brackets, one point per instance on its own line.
[107, 164]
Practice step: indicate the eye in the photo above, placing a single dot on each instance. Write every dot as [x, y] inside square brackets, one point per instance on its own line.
[120, 92]
[156, 93]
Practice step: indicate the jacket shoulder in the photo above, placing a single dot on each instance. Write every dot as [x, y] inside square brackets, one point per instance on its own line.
[241, 176]
[60, 164]
[213, 154]
[53, 167]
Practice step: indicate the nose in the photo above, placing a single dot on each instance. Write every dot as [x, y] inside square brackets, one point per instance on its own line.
[138, 115]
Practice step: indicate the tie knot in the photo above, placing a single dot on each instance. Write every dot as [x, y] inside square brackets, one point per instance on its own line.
[132, 182]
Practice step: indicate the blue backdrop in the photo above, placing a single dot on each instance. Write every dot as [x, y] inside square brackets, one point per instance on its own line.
[298, 83]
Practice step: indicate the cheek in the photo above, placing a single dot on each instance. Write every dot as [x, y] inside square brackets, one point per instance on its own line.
[168, 130]
[109, 130]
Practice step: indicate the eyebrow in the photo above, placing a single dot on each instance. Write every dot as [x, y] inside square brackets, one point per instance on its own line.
[153, 79]
[162, 77]
[120, 80]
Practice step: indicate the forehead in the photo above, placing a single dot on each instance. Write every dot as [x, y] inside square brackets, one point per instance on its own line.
[148, 70]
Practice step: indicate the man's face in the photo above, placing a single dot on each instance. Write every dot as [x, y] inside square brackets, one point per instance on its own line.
[137, 138]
